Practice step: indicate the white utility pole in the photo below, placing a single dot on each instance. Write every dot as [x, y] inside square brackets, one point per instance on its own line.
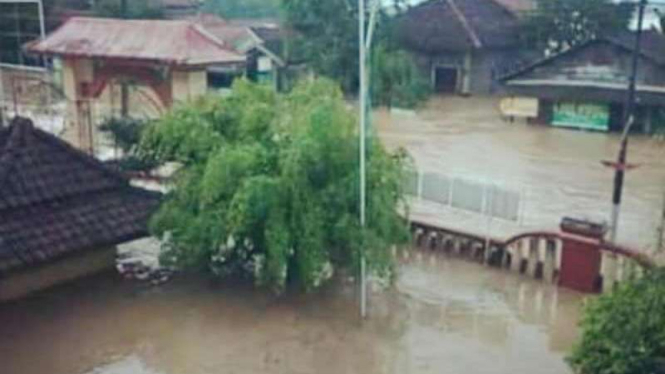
[365, 35]
[363, 155]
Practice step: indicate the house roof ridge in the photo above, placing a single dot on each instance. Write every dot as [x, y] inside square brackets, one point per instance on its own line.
[477, 43]
[18, 131]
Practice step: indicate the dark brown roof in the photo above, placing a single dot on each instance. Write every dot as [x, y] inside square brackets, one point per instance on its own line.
[518, 6]
[652, 48]
[56, 201]
[653, 44]
[438, 26]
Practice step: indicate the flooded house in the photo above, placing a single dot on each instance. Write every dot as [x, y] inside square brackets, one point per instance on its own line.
[462, 45]
[62, 212]
[164, 62]
[585, 87]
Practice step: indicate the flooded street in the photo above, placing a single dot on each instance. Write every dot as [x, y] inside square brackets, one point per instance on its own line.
[558, 171]
[443, 315]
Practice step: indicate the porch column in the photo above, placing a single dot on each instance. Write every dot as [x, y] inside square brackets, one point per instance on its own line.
[78, 74]
[466, 73]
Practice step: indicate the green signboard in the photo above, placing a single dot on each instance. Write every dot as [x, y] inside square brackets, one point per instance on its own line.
[582, 116]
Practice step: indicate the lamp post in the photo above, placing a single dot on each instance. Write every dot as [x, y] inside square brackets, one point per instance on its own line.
[621, 165]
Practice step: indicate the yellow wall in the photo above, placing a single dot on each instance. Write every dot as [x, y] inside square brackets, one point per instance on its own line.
[188, 85]
[28, 281]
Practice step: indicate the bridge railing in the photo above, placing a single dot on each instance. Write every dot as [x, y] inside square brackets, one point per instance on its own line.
[540, 255]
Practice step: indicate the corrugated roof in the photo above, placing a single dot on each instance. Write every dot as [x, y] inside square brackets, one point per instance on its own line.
[239, 37]
[174, 42]
[56, 201]
[438, 26]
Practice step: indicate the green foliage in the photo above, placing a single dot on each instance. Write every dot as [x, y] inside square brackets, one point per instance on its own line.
[560, 24]
[624, 332]
[327, 37]
[126, 132]
[269, 186]
[243, 8]
[327, 40]
[136, 9]
[396, 80]
[126, 135]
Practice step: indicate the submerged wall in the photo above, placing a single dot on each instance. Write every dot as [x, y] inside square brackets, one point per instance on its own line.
[25, 282]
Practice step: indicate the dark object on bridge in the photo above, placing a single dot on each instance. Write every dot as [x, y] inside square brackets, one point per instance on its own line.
[584, 228]
[56, 201]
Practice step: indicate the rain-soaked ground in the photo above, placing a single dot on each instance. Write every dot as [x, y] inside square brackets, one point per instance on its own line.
[558, 170]
[443, 315]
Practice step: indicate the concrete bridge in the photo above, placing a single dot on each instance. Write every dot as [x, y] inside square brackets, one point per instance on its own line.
[572, 260]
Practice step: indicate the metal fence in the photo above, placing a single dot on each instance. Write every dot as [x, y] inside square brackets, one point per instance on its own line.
[488, 199]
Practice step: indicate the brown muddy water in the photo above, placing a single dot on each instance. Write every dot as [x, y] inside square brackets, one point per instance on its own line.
[443, 315]
[559, 171]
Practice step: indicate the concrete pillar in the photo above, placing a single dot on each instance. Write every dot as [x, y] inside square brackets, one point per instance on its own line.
[466, 73]
[516, 255]
[78, 74]
[609, 271]
[621, 269]
[533, 257]
[549, 262]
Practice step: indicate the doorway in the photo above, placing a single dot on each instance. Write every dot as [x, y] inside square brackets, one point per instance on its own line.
[445, 79]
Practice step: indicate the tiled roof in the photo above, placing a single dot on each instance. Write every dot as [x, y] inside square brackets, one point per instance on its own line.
[56, 201]
[173, 42]
[438, 26]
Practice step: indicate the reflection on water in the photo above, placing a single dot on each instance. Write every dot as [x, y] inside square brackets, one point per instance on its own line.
[443, 316]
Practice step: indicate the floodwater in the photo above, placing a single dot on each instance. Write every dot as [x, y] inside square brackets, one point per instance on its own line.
[443, 315]
[558, 171]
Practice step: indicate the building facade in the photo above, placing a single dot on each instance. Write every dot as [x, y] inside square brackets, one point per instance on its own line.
[462, 45]
[586, 86]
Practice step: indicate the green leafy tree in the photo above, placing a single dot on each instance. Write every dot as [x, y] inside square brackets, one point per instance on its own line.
[327, 39]
[396, 80]
[624, 332]
[136, 9]
[560, 24]
[269, 187]
[243, 8]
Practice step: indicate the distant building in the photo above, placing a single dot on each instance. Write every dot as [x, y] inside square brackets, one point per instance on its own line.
[462, 44]
[61, 212]
[164, 61]
[585, 86]
[260, 41]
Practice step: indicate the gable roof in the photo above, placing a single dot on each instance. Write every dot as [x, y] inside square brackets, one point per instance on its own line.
[653, 48]
[238, 37]
[437, 26]
[653, 44]
[172, 42]
[56, 201]
[266, 37]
